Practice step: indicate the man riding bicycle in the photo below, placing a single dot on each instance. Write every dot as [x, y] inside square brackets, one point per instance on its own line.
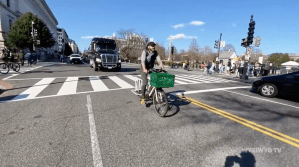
[148, 58]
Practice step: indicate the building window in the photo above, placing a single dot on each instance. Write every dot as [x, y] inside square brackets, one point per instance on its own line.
[8, 3]
[10, 23]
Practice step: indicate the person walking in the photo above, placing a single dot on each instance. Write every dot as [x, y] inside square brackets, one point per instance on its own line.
[221, 68]
[229, 64]
[266, 68]
[237, 74]
[61, 58]
[148, 58]
[256, 69]
[30, 57]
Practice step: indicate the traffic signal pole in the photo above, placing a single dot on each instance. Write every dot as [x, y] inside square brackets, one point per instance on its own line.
[217, 65]
[246, 43]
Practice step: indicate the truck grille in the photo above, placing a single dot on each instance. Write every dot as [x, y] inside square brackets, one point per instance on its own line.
[109, 59]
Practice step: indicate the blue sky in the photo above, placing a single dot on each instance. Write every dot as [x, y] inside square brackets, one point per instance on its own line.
[276, 21]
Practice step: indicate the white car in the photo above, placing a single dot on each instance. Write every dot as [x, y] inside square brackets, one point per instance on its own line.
[75, 58]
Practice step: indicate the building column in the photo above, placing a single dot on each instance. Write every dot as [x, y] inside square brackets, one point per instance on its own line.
[2, 34]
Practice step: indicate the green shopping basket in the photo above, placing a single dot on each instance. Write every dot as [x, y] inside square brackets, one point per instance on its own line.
[162, 80]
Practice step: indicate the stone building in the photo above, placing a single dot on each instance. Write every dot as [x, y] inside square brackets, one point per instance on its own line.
[62, 39]
[11, 10]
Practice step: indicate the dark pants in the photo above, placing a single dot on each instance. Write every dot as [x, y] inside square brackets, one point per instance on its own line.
[144, 82]
[256, 72]
[266, 72]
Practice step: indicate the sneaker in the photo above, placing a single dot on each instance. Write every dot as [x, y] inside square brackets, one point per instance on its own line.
[142, 101]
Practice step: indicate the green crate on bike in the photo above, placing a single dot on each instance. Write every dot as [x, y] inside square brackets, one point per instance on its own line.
[162, 80]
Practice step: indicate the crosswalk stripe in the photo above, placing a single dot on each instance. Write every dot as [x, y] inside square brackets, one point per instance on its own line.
[194, 78]
[180, 78]
[97, 84]
[69, 86]
[131, 77]
[209, 79]
[33, 91]
[120, 82]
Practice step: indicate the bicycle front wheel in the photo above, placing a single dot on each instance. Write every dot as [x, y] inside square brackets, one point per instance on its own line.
[4, 68]
[160, 103]
[16, 67]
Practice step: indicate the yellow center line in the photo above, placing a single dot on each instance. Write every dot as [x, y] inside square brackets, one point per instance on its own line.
[277, 135]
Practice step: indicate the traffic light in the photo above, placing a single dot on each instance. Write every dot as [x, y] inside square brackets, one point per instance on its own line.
[216, 44]
[244, 42]
[250, 32]
[172, 50]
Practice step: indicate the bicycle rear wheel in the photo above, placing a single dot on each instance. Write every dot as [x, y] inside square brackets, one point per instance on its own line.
[4, 68]
[161, 104]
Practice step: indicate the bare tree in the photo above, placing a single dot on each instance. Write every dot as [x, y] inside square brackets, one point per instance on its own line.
[130, 43]
[229, 47]
[255, 54]
[205, 52]
[161, 51]
[193, 51]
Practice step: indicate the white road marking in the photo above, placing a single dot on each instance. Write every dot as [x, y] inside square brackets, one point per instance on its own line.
[131, 77]
[209, 90]
[180, 78]
[42, 97]
[13, 75]
[69, 86]
[97, 84]
[120, 82]
[33, 91]
[96, 152]
[263, 99]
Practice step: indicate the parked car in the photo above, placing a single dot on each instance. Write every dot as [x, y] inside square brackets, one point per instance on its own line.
[75, 58]
[270, 86]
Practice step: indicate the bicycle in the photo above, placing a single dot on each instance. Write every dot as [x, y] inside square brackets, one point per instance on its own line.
[4, 67]
[15, 66]
[155, 92]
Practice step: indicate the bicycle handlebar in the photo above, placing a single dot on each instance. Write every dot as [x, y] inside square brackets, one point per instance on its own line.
[156, 70]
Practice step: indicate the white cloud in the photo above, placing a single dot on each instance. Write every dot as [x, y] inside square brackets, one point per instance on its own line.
[180, 36]
[197, 23]
[234, 25]
[178, 26]
[88, 37]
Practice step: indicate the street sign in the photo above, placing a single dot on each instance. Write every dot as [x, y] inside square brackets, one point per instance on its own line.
[222, 45]
[261, 60]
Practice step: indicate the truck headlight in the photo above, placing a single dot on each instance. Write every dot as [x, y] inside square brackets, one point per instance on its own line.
[98, 60]
[119, 60]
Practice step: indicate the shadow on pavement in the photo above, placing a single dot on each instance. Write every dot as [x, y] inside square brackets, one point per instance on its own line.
[247, 159]
[174, 103]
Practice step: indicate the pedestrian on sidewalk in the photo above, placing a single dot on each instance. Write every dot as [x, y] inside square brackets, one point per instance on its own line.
[61, 58]
[221, 67]
[237, 74]
[30, 59]
[229, 64]
[250, 69]
[267, 68]
[256, 69]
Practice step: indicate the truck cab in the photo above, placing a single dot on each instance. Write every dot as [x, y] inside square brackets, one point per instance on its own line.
[103, 54]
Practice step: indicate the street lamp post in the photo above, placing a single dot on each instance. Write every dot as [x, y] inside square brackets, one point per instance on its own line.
[33, 49]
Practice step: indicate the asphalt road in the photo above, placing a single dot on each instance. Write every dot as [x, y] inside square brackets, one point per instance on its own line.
[70, 115]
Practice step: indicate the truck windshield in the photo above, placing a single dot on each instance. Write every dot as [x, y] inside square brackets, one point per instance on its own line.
[105, 46]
